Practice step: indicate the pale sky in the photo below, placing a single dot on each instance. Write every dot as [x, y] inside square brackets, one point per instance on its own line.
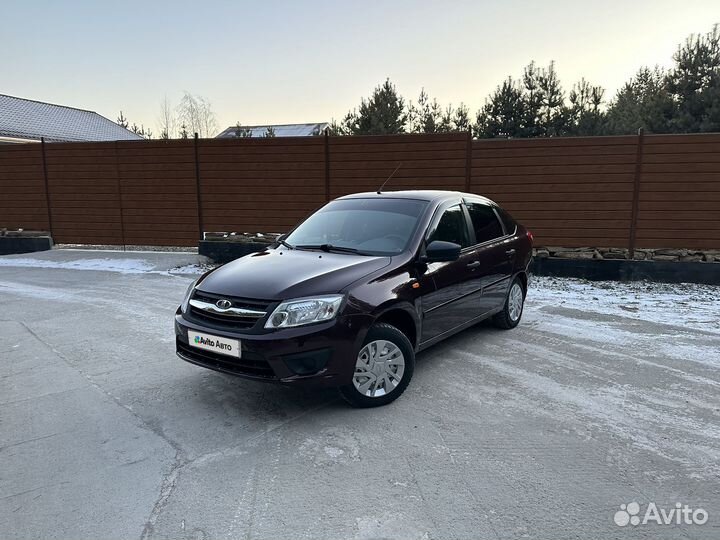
[309, 61]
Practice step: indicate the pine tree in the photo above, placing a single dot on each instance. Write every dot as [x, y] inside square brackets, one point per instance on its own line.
[122, 121]
[427, 116]
[504, 113]
[533, 106]
[694, 84]
[382, 114]
[585, 116]
[242, 132]
[335, 128]
[140, 130]
[533, 97]
[643, 102]
[552, 114]
[461, 118]
[446, 123]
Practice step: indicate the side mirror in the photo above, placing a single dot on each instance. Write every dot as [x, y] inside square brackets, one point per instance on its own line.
[439, 251]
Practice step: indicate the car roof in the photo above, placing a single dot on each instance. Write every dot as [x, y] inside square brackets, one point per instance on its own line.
[417, 194]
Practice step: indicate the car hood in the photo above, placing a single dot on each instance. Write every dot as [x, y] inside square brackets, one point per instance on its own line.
[280, 274]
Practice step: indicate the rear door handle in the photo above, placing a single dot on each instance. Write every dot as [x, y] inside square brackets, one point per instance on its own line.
[474, 264]
[510, 252]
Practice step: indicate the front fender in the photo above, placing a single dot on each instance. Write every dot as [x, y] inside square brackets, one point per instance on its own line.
[412, 310]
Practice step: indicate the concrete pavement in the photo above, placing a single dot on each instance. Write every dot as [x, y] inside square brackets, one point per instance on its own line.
[539, 432]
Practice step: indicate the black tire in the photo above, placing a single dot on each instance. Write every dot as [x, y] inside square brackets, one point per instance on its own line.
[503, 319]
[386, 332]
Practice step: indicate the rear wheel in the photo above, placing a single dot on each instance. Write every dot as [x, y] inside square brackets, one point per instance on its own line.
[383, 368]
[510, 316]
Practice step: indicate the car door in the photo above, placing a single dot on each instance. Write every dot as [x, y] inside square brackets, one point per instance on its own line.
[446, 285]
[491, 256]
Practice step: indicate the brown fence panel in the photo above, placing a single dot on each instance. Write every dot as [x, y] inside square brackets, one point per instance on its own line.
[84, 194]
[569, 192]
[263, 184]
[679, 200]
[427, 162]
[159, 192]
[22, 187]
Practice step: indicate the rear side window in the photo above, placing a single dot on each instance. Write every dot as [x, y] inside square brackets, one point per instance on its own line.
[484, 222]
[507, 220]
[452, 227]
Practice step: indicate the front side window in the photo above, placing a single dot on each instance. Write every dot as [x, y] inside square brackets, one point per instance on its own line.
[370, 226]
[452, 227]
[484, 222]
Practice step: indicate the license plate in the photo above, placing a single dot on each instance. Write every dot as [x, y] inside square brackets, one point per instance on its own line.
[217, 344]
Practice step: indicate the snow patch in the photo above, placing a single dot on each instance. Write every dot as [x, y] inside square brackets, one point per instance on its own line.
[334, 451]
[192, 269]
[684, 304]
[124, 266]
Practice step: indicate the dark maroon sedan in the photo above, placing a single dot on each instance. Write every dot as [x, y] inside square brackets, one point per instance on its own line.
[352, 293]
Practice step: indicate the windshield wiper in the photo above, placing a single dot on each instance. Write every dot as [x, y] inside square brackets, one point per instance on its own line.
[284, 243]
[329, 247]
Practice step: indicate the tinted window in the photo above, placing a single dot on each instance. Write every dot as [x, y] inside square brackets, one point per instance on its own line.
[451, 227]
[374, 226]
[507, 220]
[484, 221]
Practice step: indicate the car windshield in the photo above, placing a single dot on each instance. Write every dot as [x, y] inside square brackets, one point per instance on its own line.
[366, 226]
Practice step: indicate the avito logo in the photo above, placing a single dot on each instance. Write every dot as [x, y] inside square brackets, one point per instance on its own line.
[629, 514]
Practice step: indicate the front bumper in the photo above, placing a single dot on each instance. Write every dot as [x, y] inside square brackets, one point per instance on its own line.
[320, 354]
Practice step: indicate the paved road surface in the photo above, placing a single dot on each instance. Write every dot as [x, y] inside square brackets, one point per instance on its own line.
[540, 432]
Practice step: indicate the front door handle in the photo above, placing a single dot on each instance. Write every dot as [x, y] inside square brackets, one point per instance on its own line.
[510, 252]
[474, 264]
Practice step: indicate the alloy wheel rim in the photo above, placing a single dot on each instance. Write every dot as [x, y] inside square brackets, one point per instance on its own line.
[379, 368]
[515, 302]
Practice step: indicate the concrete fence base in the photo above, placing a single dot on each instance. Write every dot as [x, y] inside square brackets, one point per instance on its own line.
[10, 245]
[624, 270]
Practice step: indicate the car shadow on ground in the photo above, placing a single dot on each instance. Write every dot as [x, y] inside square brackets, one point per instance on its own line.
[252, 399]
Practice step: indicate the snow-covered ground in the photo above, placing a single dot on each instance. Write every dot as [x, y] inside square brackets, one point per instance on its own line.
[130, 262]
[107, 264]
[605, 393]
[684, 304]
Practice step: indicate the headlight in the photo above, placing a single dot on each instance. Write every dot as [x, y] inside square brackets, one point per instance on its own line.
[305, 311]
[188, 294]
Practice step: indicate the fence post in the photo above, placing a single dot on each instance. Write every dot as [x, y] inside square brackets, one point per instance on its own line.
[636, 193]
[120, 197]
[198, 190]
[327, 166]
[47, 187]
[468, 161]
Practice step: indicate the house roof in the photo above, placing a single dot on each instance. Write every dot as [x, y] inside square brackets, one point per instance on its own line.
[281, 130]
[27, 119]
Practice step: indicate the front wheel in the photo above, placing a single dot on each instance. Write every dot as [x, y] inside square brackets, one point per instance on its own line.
[383, 368]
[510, 315]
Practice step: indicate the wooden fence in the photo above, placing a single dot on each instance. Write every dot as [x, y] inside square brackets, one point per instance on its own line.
[651, 191]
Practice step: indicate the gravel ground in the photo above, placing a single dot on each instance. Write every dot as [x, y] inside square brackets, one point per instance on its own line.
[605, 395]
